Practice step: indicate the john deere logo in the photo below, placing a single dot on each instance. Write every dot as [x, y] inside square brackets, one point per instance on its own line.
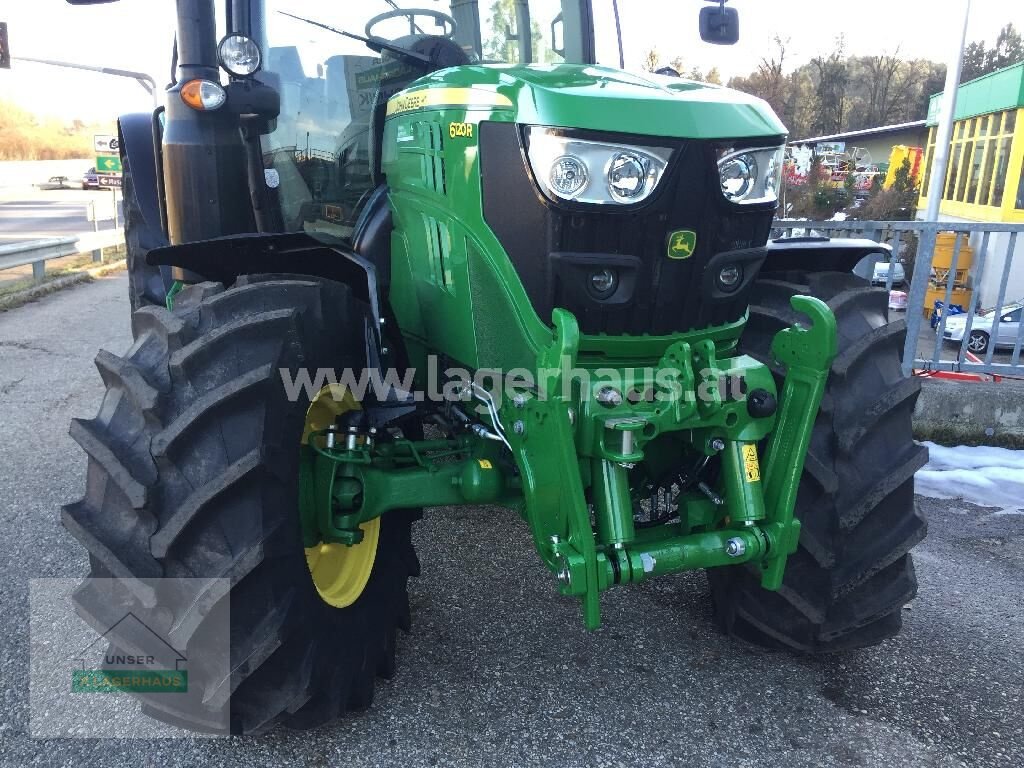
[681, 244]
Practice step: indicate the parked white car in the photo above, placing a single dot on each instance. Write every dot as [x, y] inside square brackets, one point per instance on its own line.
[981, 328]
[880, 273]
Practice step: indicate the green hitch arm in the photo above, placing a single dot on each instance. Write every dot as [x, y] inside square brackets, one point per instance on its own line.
[807, 355]
[545, 450]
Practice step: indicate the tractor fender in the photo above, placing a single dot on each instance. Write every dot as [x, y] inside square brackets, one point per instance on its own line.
[225, 259]
[822, 254]
[138, 140]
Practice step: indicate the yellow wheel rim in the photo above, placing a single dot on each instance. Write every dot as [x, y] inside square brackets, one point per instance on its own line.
[340, 572]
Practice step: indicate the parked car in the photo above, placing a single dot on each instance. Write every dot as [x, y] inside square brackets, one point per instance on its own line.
[875, 267]
[55, 182]
[91, 179]
[880, 273]
[981, 328]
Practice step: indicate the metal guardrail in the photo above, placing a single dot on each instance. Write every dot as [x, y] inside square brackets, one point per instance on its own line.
[913, 245]
[38, 252]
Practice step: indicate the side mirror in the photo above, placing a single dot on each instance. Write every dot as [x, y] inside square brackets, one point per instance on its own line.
[719, 26]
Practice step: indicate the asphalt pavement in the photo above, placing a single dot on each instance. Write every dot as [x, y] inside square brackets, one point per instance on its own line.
[28, 213]
[498, 670]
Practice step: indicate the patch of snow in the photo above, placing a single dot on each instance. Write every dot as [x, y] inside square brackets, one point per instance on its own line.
[838, 216]
[988, 477]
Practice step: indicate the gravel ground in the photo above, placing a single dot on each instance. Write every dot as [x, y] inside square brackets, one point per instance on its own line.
[498, 669]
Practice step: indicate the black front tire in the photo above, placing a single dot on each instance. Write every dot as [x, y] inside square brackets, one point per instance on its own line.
[846, 585]
[193, 472]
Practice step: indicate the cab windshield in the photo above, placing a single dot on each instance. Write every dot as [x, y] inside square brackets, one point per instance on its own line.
[317, 157]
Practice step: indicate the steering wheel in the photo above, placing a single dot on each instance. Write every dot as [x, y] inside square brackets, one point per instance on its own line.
[440, 17]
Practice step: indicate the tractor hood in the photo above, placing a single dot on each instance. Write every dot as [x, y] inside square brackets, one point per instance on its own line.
[605, 99]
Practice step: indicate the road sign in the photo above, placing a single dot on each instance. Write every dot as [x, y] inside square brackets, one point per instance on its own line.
[110, 181]
[5, 49]
[104, 144]
[108, 164]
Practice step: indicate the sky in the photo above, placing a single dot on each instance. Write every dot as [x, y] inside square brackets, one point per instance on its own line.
[137, 34]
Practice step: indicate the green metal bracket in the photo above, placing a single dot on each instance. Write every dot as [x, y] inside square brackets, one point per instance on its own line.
[807, 355]
[176, 288]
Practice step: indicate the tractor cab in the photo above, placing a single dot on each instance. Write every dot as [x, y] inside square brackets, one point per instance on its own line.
[322, 158]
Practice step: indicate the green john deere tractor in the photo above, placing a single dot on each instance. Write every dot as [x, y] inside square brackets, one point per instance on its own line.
[388, 258]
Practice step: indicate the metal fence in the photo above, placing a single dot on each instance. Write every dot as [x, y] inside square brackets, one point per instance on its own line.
[980, 278]
[38, 252]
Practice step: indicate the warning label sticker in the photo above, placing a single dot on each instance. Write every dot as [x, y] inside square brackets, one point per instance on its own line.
[751, 468]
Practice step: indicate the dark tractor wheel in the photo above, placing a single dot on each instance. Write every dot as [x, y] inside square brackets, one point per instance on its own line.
[846, 585]
[978, 342]
[145, 282]
[194, 472]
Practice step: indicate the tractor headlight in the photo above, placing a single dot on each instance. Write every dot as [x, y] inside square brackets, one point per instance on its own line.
[750, 175]
[568, 176]
[588, 171]
[239, 55]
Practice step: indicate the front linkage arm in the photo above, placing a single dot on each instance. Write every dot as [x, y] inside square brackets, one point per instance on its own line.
[807, 355]
[565, 444]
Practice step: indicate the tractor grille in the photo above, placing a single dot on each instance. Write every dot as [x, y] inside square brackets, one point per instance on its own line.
[556, 247]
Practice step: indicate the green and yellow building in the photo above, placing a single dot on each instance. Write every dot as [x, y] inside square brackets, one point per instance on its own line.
[984, 181]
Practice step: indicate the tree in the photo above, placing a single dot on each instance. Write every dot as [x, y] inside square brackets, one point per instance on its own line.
[833, 77]
[883, 86]
[974, 61]
[897, 203]
[26, 136]
[836, 93]
[1009, 49]
[934, 81]
[652, 60]
[773, 81]
[979, 60]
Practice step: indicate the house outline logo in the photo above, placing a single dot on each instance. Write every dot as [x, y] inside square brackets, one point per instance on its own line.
[178, 656]
[145, 672]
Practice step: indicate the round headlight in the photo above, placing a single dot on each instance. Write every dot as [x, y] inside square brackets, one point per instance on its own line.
[627, 176]
[739, 174]
[729, 277]
[603, 283]
[239, 55]
[568, 176]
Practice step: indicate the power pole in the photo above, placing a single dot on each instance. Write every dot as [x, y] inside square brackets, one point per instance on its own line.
[944, 130]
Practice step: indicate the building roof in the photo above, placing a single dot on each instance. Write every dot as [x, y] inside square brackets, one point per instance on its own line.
[865, 132]
[994, 92]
